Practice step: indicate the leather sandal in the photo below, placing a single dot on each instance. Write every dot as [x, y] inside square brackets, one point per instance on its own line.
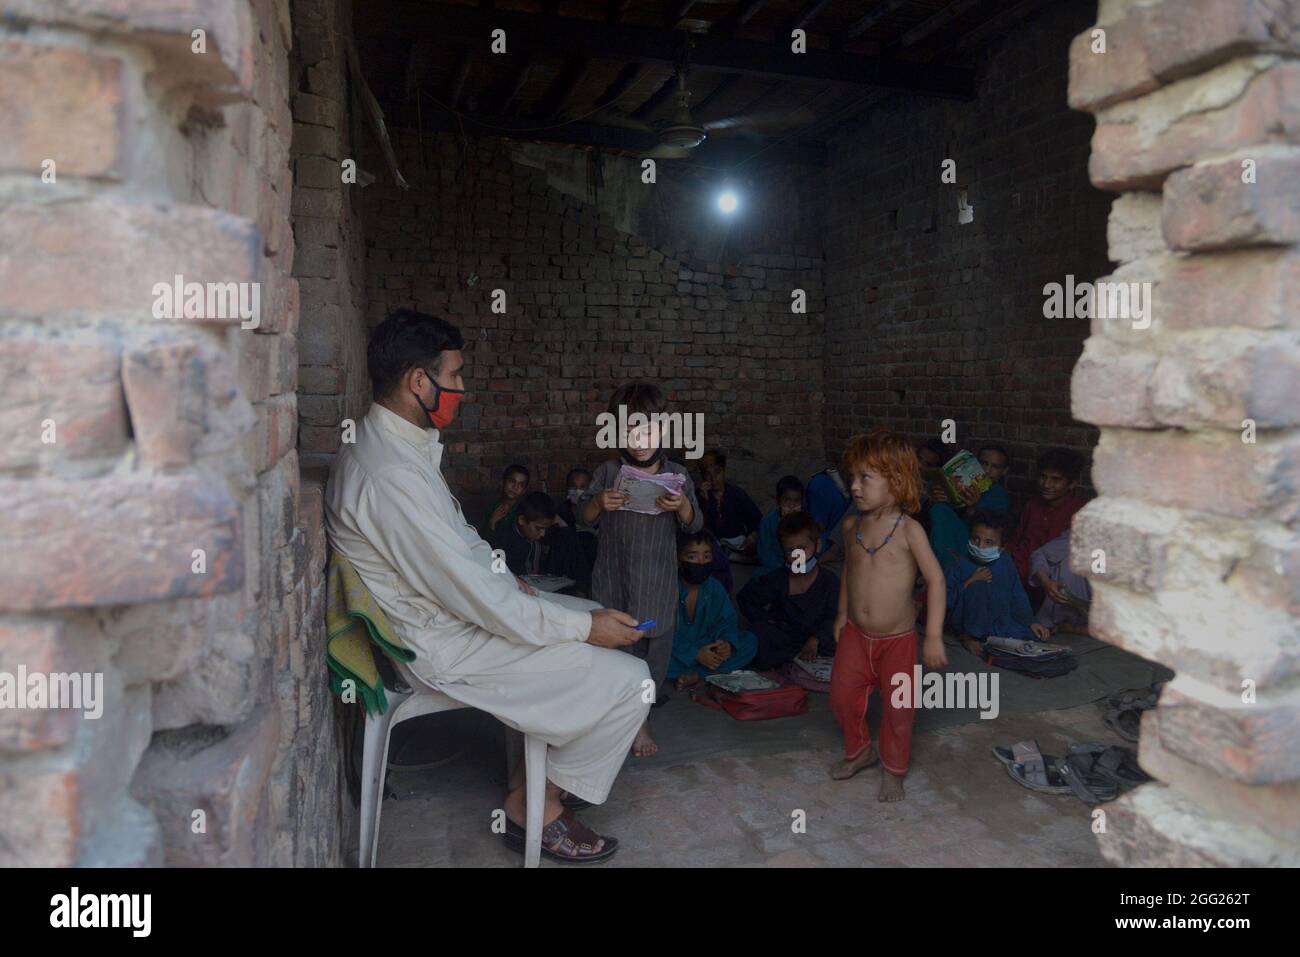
[566, 839]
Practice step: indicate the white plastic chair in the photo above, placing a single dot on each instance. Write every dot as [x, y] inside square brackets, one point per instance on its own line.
[421, 700]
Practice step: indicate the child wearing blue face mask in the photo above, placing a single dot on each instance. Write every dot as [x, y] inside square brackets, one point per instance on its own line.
[985, 596]
[707, 640]
[792, 610]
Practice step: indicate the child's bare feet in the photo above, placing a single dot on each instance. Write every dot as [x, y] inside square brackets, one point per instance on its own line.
[972, 645]
[643, 745]
[843, 770]
[688, 680]
[891, 787]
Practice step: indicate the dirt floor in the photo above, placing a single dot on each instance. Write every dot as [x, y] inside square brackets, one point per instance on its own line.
[728, 793]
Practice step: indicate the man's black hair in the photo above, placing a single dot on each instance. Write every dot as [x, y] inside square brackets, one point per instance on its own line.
[404, 340]
[535, 506]
[992, 518]
[1066, 461]
[994, 447]
[788, 483]
[512, 469]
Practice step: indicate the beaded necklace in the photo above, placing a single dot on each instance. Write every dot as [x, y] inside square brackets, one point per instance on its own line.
[857, 536]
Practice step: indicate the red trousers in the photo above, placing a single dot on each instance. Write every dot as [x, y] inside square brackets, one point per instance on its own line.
[864, 663]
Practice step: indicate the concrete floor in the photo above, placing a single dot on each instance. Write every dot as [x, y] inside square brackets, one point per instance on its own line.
[724, 793]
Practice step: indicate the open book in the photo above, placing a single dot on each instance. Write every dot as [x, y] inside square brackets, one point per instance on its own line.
[642, 488]
[957, 475]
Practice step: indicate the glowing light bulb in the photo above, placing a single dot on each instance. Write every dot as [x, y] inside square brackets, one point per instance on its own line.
[728, 202]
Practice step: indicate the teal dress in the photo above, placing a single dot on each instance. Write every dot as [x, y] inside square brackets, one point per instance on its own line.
[715, 617]
[949, 531]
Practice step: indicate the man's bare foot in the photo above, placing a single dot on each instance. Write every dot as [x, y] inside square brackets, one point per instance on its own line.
[643, 745]
[972, 645]
[688, 680]
[517, 806]
[843, 770]
[891, 787]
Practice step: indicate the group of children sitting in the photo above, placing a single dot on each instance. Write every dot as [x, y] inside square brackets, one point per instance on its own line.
[671, 570]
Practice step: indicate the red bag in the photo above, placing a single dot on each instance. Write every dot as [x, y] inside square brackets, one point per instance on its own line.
[783, 702]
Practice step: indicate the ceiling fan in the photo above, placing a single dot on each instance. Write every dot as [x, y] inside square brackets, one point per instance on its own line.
[682, 133]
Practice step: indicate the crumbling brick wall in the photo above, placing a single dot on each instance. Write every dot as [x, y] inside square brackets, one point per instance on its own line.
[932, 319]
[152, 522]
[589, 307]
[1191, 547]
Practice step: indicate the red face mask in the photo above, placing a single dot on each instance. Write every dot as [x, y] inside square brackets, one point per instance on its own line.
[445, 402]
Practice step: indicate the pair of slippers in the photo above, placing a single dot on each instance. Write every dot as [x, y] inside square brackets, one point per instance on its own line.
[1092, 772]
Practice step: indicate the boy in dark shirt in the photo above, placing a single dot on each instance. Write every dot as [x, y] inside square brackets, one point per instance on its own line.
[792, 610]
[729, 513]
[535, 544]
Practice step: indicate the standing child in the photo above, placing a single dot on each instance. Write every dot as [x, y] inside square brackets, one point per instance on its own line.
[708, 640]
[636, 563]
[876, 623]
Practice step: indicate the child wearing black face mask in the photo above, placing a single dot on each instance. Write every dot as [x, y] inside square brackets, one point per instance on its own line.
[636, 561]
[792, 609]
[707, 640]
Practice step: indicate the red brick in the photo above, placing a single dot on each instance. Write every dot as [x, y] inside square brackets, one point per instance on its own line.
[1208, 206]
[61, 104]
[1121, 72]
[116, 540]
[1126, 156]
[39, 646]
[1191, 36]
[71, 380]
[1253, 288]
[183, 400]
[103, 257]
[224, 776]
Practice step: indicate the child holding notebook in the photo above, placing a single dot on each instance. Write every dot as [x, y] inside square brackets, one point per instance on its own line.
[636, 563]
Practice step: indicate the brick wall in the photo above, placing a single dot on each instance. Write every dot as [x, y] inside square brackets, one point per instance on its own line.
[1197, 105]
[588, 306]
[153, 520]
[330, 260]
[929, 319]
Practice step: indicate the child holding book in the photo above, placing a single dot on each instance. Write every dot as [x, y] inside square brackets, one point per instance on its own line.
[636, 563]
[793, 609]
[708, 640]
[876, 622]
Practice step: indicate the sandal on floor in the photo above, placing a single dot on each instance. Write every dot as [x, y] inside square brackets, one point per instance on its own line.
[566, 839]
[1088, 786]
[1034, 770]
[1115, 764]
[1018, 753]
[1126, 723]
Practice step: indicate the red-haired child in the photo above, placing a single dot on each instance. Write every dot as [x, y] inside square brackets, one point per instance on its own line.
[876, 624]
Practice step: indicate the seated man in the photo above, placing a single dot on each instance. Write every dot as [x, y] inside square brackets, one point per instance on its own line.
[543, 666]
[985, 596]
[792, 610]
[707, 640]
[535, 543]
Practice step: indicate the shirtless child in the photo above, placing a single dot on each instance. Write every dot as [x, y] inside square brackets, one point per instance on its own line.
[876, 625]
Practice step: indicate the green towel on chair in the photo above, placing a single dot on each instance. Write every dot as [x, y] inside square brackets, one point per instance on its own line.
[354, 625]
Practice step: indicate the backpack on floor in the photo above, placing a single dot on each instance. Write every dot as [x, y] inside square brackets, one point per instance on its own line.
[784, 701]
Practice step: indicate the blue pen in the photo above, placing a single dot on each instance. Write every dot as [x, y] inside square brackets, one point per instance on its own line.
[646, 625]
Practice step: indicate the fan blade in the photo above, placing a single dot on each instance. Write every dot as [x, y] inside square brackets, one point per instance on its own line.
[668, 152]
[768, 119]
